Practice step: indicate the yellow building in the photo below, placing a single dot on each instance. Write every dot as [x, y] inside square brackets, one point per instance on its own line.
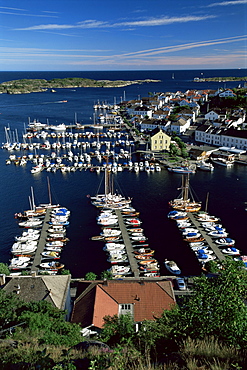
[159, 140]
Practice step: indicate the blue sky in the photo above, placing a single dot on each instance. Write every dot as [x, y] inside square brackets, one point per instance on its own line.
[84, 35]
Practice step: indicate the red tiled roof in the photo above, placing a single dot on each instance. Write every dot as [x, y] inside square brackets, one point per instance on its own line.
[149, 299]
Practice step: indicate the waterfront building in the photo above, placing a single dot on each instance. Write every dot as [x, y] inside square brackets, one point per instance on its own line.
[159, 140]
[221, 136]
[144, 300]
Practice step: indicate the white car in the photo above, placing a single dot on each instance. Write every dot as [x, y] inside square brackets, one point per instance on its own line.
[181, 284]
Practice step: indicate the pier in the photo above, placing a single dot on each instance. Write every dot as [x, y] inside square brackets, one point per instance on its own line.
[219, 255]
[42, 241]
[128, 245]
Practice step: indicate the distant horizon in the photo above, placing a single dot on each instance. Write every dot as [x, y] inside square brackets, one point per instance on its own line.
[127, 70]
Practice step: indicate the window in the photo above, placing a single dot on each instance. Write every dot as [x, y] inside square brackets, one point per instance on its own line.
[126, 308]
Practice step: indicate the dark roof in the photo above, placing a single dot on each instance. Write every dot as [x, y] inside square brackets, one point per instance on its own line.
[155, 131]
[235, 133]
[53, 289]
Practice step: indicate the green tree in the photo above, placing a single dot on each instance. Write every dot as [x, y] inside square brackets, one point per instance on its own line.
[106, 275]
[118, 329]
[174, 150]
[4, 269]
[90, 276]
[65, 272]
[9, 303]
[216, 308]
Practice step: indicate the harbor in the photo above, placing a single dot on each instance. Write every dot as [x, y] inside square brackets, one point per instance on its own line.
[151, 193]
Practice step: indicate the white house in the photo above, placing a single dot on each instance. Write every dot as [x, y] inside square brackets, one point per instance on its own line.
[180, 126]
[140, 111]
[227, 94]
[212, 115]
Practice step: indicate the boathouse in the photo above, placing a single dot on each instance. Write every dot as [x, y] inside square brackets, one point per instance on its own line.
[144, 300]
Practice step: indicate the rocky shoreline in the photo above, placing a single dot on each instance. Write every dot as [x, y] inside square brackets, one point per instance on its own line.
[27, 86]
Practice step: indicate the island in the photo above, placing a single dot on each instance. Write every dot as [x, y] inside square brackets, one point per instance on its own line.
[219, 79]
[25, 86]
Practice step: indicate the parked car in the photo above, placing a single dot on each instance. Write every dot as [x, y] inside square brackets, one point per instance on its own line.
[181, 284]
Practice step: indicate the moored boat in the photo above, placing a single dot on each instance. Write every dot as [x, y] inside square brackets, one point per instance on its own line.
[172, 267]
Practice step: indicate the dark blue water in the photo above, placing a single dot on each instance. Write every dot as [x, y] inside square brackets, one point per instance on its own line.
[227, 187]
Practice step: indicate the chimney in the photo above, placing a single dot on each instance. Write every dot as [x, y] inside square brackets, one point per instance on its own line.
[2, 279]
[105, 282]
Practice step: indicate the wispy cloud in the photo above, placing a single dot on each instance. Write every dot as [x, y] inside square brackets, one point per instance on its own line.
[227, 3]
[19, 12]
[180, 47]
[151, 22]
[108, 55]
[5, 7]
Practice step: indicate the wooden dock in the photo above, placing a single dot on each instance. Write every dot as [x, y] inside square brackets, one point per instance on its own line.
[128, 245]
[41, 243]
[219, 255]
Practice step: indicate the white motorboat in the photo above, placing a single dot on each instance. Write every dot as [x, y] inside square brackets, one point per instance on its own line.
[204, 217]
[231, 251]
[120, 270]
[53, 265]
[19, 263]
[205, 166]
[113, 246]
[218, 234]
[54, 249]
[117, 258]
[225, 241]
[30, 223]
[55, 243]
[23, 249]
[172, 267]
[110, 232]
[27, 236]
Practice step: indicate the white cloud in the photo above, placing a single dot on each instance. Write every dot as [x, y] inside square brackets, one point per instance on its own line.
[99, 24]
[226, 3]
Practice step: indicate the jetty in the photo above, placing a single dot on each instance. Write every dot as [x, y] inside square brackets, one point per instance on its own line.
[42, 241]
[219, 255]
[128, 245]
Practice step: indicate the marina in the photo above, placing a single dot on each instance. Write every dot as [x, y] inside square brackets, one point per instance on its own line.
[151, 194]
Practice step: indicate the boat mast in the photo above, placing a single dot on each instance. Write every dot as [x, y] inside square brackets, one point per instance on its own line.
[206, 205]
[32, 200]
[49, 190]
[186, 189]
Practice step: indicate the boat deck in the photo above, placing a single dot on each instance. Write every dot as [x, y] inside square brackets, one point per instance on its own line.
[128, 245]
[41, 243]
[219, 255]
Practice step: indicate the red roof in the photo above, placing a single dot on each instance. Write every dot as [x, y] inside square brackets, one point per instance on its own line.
[149, 299]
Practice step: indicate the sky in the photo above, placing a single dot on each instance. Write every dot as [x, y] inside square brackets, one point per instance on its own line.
[105, 35]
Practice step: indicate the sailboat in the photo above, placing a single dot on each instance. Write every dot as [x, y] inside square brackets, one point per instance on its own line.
[110, 199]
[184, 203]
